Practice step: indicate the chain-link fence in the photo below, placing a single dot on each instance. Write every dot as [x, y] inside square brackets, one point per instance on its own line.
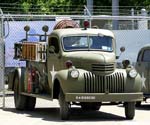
[130, 31]
[2, 86]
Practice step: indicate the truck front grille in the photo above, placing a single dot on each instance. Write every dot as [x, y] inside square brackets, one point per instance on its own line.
[113, 83]
[104, 68]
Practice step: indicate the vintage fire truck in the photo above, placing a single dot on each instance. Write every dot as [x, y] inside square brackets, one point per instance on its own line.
[76, 66]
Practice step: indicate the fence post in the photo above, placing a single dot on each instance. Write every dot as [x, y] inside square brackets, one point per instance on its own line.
[132, 14]
[2, 64]
[115, 12]
[142, 23]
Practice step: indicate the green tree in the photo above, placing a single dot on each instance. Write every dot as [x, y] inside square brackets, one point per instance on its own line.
[66, 6]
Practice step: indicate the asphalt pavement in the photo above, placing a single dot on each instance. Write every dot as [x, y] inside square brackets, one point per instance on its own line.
[47, 113]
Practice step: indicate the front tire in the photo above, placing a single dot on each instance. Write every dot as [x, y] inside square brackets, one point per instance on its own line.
[64, 106]
[129, 110]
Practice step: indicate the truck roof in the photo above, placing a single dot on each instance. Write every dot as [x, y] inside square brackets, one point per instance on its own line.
[147, 46]
[80, 31]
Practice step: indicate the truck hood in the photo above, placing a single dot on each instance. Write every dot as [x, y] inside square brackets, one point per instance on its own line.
[93, 57]
[92, 61]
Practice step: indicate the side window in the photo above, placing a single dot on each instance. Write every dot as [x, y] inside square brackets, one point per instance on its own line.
[146, 56]
[139, 56]
[53, 41]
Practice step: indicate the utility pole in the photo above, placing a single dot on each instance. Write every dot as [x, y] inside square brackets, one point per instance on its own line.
[115, 12]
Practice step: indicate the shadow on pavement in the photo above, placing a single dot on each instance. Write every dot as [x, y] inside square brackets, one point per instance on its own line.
[144, 107]
[78, 115]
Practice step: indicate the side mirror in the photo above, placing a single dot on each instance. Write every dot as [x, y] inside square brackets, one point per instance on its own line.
[122, 49]
[27, 28]
[45, 28]
[52, 49]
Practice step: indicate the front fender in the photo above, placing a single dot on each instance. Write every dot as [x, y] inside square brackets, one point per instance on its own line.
[17, 72]
[69, 84]
[133, 84]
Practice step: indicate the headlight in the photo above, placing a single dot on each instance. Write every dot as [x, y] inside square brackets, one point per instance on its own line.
[74, 73]
[132, 73]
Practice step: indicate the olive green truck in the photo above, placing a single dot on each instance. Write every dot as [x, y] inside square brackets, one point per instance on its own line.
[75, 65]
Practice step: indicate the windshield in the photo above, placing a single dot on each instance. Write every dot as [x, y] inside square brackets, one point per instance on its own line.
[73, 43]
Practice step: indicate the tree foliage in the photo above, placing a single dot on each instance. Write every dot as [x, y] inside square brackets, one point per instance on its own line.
[64, 6]
[50, 6]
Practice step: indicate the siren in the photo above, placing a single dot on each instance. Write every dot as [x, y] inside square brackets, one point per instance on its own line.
[86, 24]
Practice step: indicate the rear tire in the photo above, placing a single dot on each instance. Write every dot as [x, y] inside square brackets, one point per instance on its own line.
[138, 104]
[129, 110]
[19, 100]
[64, 106]
[30, 104]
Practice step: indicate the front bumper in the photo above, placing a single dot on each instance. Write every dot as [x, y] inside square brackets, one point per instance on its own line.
[102, 97]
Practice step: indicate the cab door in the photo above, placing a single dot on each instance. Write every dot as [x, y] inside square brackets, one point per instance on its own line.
[53, 59]
[143, 67]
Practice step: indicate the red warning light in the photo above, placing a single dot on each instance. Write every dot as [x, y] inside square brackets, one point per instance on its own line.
[86, 24]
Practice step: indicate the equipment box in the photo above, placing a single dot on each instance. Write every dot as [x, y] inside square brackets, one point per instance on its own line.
[33, 51]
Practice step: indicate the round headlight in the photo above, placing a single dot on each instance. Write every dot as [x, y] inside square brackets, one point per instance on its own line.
[132, 73]
[74, 73]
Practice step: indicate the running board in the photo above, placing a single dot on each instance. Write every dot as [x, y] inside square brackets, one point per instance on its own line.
[42, 96]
